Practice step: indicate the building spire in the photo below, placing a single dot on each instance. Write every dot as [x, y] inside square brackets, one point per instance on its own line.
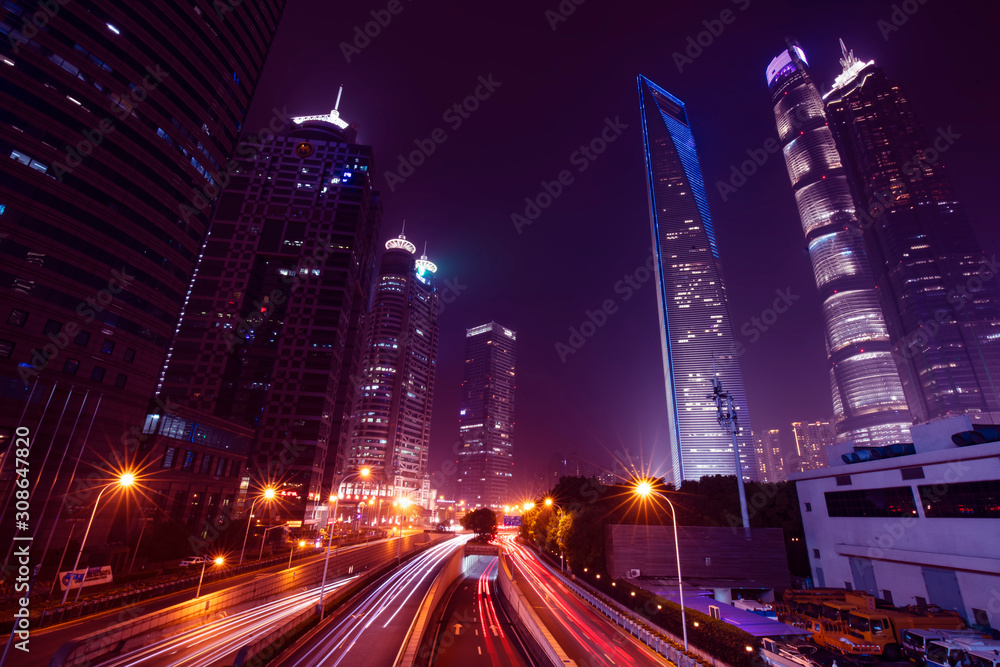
[336, 107]
[400, 242]
[852, 67]
[402, 232]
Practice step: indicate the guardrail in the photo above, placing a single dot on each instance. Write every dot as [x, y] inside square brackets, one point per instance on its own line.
[97, 645]
[640, 629]
[541, 643]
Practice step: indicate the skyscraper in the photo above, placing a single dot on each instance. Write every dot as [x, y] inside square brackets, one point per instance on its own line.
[868, 400]
[486, 417]
[391, 420]
[118, 121]
[769, 456]
[270, 336]
[811, 441]
[940, 296]
[695, 326]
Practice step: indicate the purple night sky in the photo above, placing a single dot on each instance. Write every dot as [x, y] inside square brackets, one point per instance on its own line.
[554, 90]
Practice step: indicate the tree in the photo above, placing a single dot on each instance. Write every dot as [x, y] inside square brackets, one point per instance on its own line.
[483, 522]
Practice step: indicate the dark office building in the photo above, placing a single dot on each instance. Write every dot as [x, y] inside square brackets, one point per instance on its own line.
[270, 336]
[116, 121]
[939, 294]
[486, 416]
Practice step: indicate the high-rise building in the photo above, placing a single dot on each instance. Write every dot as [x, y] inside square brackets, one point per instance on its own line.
[270, 337]
[770, 461]
[811, 441]
[868, 399]
[939, 295]
[391, 419]
[696, 330]
[118, 121]
[486, 416]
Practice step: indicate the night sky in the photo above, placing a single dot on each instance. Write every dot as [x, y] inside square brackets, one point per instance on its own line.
[556, 90]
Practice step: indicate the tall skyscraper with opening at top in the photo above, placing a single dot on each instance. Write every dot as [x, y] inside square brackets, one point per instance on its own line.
[695, 326]
[868, 400]
[391, 420]
[486, 417]
[939, 292]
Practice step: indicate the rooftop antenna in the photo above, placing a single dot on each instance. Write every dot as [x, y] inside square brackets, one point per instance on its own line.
[402, 232]
[336, 107]
[425, 248]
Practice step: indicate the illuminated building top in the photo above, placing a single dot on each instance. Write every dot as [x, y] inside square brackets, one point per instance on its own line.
[424, 265]
[852, 67]
[401, 242]
[333, 117]
[783, 62]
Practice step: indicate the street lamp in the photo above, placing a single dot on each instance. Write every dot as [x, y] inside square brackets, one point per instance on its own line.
[217, 561]
[334, 498]
[644, 489]
[402, 503]
[124, 481]
[263, 539]
[268, 496]
[291, 553]
[529, 506]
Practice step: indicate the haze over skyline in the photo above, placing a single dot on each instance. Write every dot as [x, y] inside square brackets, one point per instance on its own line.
[546, 86]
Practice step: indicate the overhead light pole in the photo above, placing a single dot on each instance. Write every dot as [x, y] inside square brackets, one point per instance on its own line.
[267, 496]
[217, 561]
[334, 498]
[644, 489]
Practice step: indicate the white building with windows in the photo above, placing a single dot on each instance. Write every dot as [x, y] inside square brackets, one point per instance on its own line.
[913, 528]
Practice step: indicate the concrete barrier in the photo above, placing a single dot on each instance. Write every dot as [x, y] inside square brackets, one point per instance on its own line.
[539, 641]
[100, 645]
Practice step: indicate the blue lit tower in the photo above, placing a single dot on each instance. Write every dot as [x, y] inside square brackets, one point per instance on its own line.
[695, 325]
[869, 404]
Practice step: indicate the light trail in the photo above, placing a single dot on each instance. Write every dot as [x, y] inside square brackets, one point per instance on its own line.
[213, 642]
[333, 647]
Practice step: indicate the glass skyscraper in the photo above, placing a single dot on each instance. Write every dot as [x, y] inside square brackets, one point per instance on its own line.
[391, 421]
[939, 293]
[486, 417]
[695, 326]
[869, 404]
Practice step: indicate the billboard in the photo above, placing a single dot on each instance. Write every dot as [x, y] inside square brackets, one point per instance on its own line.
[88, 576]
[512, 520]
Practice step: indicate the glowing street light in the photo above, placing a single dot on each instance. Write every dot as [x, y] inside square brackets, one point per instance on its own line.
[219, 560]
[334, 498]
[126, 480]
[267, 496]
[644, 489]
[302, 543]
[529, 506]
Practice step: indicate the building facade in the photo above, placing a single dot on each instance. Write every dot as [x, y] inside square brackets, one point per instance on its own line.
[770, 458]
[696, 330]
[939, 293]
[271, 333]
[119, 120]
[869, 403]
[391, 420]
[486, 417]
[922, 528]
[812, 440]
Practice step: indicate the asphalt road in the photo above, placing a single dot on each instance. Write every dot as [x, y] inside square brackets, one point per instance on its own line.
[45, 642]
[369, 631]
[474, 629]
[587, 637]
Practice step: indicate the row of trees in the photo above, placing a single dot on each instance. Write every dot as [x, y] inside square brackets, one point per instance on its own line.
[574, 524]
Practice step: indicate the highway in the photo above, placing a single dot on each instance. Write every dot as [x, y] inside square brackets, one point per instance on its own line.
[474, 629]
[370, 631]
[586, 635]
[45, 642]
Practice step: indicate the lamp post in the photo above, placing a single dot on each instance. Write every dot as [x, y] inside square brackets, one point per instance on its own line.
[402, 504]
[644, 489]
[124, 481]
[562, 556]
[217, 561]
[263, 539]
[268, 496]
[138, 542]
[334, 498]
